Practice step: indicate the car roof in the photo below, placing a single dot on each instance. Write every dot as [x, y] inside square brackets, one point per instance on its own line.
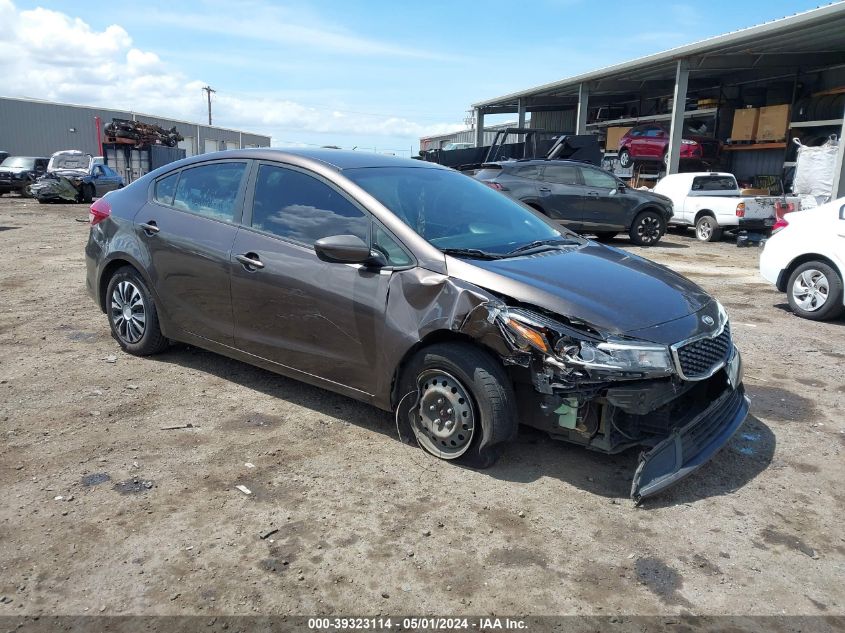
[521, 162]
[337, 158]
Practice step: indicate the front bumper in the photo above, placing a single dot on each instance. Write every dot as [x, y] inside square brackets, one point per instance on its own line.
[688, 448]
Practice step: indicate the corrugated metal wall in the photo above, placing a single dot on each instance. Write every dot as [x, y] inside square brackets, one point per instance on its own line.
[563, 121]
[39, 128]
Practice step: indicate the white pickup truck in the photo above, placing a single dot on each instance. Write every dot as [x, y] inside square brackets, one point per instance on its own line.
[712, 202]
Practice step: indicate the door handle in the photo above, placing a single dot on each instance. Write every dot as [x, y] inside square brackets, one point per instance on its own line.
[544, 190]
[593, 194]
[251, 261]
[150, 228]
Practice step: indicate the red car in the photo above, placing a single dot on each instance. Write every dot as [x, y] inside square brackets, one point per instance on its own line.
[650, 142]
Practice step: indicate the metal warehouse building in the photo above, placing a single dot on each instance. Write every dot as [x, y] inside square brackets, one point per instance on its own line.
[30, 127]
[790, 71]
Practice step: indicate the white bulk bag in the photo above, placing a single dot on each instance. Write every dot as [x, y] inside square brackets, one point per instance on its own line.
[814, 169]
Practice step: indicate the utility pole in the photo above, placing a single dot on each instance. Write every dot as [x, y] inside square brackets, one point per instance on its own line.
[209, 90]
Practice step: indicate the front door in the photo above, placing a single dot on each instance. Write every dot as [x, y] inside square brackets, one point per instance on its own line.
[188, 229]
[323, 319]
[604, 207]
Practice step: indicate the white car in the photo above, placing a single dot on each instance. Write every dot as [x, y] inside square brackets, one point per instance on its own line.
[805, 257]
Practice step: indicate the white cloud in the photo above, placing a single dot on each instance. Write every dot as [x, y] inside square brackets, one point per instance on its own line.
[49, 55]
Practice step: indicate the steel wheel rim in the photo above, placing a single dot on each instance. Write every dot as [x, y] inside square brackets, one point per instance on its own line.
[648, 229]
[624, 159]
[128, 312]
[811, 290]
[705, 230]
[444, 420]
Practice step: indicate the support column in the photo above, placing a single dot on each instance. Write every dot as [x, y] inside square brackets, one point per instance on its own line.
[839, 168]
[679, 104]
[583, 103]
[479, 127]
[520, 113]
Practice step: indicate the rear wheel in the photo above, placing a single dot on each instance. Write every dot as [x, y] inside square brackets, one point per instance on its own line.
[624, 158]
[707, 229]
[647, 229]
[132, 314]
[606, 236]
[815, 291]
[464, 405]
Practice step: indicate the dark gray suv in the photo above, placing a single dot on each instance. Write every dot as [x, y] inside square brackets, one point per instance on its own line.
[583, 198]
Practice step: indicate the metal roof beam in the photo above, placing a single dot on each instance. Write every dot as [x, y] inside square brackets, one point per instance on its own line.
[748, 61]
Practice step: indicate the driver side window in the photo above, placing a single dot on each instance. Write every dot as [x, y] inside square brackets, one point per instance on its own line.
[296, 206]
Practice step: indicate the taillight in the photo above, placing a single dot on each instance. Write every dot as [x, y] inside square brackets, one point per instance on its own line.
[100, 210]
[740, 210]
[780, 224]
[494, 185]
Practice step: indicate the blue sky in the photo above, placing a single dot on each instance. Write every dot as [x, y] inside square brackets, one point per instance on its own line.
[372, 74]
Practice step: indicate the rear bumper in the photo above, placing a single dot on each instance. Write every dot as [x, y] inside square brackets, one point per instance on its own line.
[756, 224]
[690, 447]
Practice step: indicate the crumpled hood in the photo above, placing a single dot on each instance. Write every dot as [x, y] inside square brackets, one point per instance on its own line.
[612, 290]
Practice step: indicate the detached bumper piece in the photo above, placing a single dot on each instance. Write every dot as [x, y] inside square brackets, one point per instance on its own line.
[691, 446]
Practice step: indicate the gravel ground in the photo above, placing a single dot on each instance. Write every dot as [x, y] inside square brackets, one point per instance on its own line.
[104, 511]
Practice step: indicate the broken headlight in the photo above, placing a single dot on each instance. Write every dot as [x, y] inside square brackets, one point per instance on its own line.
[645, 359]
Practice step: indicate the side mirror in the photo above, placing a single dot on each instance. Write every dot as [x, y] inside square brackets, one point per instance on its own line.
[345, 249]
[621, 188]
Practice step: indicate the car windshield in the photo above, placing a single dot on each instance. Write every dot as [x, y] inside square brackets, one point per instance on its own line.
[18, 161]
[70, 161]
[455, 212]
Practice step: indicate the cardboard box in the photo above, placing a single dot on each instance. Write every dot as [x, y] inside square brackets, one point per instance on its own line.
[745, 124]
[613, 136]
[773, 123]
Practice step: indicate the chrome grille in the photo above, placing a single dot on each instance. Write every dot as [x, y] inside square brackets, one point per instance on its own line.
[701, 358]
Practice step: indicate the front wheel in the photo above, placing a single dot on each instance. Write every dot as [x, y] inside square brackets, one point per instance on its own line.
[132, 314]
[815, 291]
[464, 405]
[86, 193]
[707, 229]
[647, 229]
[624, 158]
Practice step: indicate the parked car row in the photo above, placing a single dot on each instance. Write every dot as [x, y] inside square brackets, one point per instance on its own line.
[424, 292]
[67, 176]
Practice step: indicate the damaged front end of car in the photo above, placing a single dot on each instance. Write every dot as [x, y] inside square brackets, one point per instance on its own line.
[609, 392]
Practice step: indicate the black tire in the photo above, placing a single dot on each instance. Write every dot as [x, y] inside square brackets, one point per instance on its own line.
[707, 229]
[647, 228]
[625, 158]
[606, 236]
[832, 306]
[86, 193]
[151, 340]
[492, 402]
[43, 201]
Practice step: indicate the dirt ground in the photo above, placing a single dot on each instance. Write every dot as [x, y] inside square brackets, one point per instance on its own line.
[103, 511]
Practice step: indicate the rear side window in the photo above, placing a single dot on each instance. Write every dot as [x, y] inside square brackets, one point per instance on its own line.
[165, 188]
[488, 173]
[297, 206]
[210, 190]
[713, 183]
[561, 174]
[531, 171]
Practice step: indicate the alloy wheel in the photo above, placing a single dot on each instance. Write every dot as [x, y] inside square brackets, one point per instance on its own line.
[811, 289]
[128, 312]
[444, 421]
[704, 231]
[648, 229]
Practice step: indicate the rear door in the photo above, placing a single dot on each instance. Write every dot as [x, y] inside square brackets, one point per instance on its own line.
[604, 207]
[322, 319]
[188, 228]
[653, 141]
[561, 194]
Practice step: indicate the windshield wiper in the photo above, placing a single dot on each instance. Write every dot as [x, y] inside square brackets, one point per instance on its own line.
[552, 242]
[470, 252]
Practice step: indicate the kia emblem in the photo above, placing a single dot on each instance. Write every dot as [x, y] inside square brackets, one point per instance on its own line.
[707, 319]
